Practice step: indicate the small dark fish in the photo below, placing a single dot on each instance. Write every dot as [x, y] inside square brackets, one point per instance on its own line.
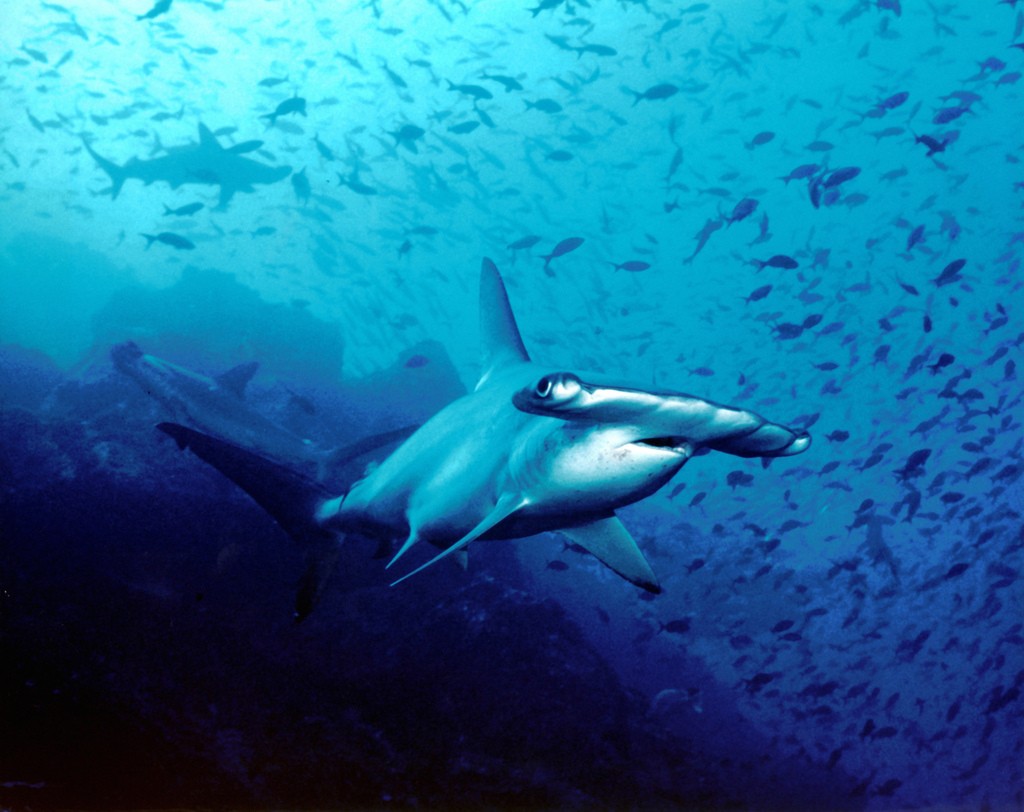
[681, 626]
[244, 147]
[948, 114]
[524, 242]
[464, 128]
[812, 321]
[407, 135]
[548, 106]
[356, 185]
[801, 172]
[758, 294]
[781, 626]
[173, 240]
[325, 151]
[506, 82]
[415, 361]
[710, 227]
[296, 104]
[894, 101]
[735, 479]
[695, 565]
[951, 273]
[560, 155]
[301, 187]
[557, 566]
[837, 436]
[272, 81]
[956, 570]
[594, 48]
[742, 210]
[655, 93]
[839, 176]
[933, 144]
[474, 91]
[761, 139]
[788, 330]
[914, 466]
[160, 7]
[633, 265]
[944, 361]
[182, 211]
[564, 247]
[778, 261]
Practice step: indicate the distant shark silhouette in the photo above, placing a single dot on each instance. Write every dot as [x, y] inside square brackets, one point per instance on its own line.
[528, 451]
[205, 162]
[217, 405]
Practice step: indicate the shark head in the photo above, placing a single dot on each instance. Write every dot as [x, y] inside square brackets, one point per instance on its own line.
[615, 445]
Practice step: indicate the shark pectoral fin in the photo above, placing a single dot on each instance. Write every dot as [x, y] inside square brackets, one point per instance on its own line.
[321, 559]
[237, 378]
[610, 542]
[506, 506]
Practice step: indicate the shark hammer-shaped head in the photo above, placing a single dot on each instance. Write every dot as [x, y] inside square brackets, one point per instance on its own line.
[622, 444]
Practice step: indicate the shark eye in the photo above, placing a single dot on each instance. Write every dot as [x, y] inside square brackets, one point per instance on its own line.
[543, 387]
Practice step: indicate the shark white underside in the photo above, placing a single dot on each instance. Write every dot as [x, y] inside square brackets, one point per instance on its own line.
[531, 449]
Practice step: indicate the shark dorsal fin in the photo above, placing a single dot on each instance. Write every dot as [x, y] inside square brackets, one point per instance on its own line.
[237, 378]
[207, 138]
[611, 543]
[499, 336]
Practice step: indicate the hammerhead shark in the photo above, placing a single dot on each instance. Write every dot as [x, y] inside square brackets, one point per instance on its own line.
[205, 162]
[531, 449]
[217, 405]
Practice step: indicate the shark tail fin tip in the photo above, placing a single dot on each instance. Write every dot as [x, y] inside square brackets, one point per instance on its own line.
[289, 497]
[118, 175]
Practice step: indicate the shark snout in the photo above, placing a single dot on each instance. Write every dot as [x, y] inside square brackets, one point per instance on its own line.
[125, 354]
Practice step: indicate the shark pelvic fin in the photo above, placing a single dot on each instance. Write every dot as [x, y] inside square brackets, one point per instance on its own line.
[610, 542]
[237, 378]
[506, 506]
[402, 550]
[499, 336]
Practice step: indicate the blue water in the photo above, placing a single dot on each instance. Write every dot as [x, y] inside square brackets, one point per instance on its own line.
[809, 210]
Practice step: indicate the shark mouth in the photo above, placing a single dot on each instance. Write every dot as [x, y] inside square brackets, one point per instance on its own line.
[671, 442]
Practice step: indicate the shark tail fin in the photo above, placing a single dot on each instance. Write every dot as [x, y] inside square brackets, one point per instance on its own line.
[117, 174]
[289, 497]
